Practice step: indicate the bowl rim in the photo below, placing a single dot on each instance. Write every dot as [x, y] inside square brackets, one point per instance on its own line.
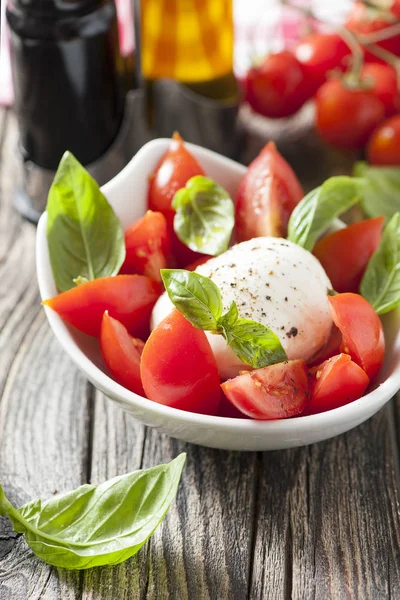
[300, 424]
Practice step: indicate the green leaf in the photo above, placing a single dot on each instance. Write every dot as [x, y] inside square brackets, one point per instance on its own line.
[380, 189]
[254, 343]
[229, 319]
[315, 213]
[204, 217]
[98, 524]
[84, 235]
[380, 284]
[195, 296]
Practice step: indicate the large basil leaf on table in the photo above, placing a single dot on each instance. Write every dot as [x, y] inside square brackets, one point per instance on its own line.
[97, 525]
[84, 235]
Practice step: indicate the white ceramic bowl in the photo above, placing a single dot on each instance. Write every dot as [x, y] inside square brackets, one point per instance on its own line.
[127, 193]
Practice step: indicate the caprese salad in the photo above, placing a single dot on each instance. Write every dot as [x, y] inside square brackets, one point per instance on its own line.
[263, 306]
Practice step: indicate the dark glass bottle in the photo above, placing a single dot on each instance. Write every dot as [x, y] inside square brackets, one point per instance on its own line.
[67, 71]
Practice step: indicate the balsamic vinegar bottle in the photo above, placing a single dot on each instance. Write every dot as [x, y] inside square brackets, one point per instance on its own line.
[67, 74]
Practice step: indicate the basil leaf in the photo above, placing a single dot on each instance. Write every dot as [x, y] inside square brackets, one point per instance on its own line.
[195, 296]
[380, 284]
[229, 318]
[313, 215]
[97, 524]
[254, 343]
[380, 189]
[84, 235]
[204, 217]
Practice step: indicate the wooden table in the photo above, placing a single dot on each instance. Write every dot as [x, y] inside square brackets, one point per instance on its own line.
[316, 522]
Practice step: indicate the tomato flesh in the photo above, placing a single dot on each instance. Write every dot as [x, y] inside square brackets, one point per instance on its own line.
[147, 246]
[336, 382]
[362, 331]
[267, 196]
[344, 254]
[178, 367]
[121, 353]
[384, 145]
[275, 392]
[345, 118]
[173, 171]
[128, 298]
[277, 88]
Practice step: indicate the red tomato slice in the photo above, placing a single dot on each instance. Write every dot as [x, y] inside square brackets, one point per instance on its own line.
[228, 410]
[147, 246]
[121, 353]
[200, 261]
[267, 195]
[362, 331]
[344, 254]
[128, 298]
[336, 382]
[275, 392]
[178, 367]
[331, 348]
[175, 168]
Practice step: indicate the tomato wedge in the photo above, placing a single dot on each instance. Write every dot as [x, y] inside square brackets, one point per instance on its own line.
[275, 392]
[362, 331]
[147, 246]
[178, 367]
[128, 298]
[344, 254]
[336, 382]
[267, 196]
[121, 353]
[331, 348]
[175, 168]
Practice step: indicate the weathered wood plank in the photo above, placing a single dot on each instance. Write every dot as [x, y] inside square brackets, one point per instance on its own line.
[203, 548]
[43, 402]
[328, 523]
[117, 448]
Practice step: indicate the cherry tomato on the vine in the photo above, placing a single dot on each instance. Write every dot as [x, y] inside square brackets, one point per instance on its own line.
[383, 79]
[384, 145]
[365, 20]
[278, 87]
[346, 117]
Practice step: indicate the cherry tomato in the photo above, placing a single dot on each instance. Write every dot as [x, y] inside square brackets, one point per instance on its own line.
[174, 169]
[277, 88]
[178, 367]
[320, 53]
[395, 8]
[361, 329]
[331, 348]
[336, 382]
[346, 118]
[275, 392]
[344, 254]
[200, 261]
[147, 246]
[364, 20]
[121, 353]
[128, 298]
[384, 82]
[384, 145]
[266, 197]
[228, 410]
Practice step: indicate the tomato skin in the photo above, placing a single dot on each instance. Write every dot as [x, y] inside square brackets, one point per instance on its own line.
[331, 348]
[362, 331]
[346, 118]
[128, 298]
[384, 145]
[267, 195]
[344, 254]
[275, 392]
[320, 53]
[178, 367]
[174, 169]
[384, 81]
[147, 246]
[200, 261]
[121, 353]
[276, 88]
[362, 20]
[336, 382]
